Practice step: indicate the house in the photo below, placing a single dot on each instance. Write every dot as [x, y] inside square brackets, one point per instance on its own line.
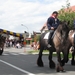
[44, 28]
[70, 9]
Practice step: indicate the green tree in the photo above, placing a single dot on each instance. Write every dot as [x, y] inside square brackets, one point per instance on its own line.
[67, 14]
[38, 36]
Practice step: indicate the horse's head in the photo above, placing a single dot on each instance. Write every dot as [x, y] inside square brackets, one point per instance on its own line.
[64, 29]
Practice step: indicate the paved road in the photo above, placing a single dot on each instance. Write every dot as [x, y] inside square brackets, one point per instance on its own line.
[17, 62]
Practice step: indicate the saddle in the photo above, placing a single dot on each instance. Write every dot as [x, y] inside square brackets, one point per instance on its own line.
[47, 35]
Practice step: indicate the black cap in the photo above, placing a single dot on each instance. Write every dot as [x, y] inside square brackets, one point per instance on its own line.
[55, 12]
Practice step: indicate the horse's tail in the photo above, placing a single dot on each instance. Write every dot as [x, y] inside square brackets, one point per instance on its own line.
[74, 40]
[39, 43]
[41, 39]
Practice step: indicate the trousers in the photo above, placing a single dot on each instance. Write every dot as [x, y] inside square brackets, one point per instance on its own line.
[50, 37]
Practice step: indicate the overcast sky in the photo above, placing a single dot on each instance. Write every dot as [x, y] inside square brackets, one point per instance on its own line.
[31, 13]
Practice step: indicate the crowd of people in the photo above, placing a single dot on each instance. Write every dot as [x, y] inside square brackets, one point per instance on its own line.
[35, 45]
[18, 44]
[13, 43]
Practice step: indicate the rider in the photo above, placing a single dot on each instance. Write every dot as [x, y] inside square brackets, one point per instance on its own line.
[52, 24]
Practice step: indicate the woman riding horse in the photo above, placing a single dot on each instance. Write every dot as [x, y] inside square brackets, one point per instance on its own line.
[58, 45]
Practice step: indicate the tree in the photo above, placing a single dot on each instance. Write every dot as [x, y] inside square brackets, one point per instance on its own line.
[67, 14]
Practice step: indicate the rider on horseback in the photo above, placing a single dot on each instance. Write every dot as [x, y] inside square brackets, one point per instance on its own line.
[52, 24]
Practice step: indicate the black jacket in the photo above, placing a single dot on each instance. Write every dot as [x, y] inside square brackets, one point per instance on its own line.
[51, 22]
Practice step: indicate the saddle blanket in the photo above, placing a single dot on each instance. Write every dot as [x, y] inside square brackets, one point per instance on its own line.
[46, 36]
[73, 35]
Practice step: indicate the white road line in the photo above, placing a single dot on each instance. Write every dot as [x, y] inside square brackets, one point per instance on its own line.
[5, 54]
[14, 53]
[23, 53]
[24, 71]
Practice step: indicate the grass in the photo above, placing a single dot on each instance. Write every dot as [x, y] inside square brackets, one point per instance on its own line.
[54, 54]
[36, 51]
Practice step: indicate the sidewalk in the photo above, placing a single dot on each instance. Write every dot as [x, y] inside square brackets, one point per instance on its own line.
[27, 50]
[13, 49]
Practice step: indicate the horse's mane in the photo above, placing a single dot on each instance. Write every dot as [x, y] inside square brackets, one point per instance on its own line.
[63, 29]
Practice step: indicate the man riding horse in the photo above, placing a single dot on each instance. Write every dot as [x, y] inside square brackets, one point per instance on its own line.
[52, 24]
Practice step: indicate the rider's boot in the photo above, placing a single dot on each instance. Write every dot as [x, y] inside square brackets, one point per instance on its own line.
[49, 41]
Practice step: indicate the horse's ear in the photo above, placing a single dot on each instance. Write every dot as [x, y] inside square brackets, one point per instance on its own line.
[66, 22]
[60, 22]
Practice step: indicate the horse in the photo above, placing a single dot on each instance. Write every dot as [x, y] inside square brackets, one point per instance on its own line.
[58, 45]
[2, 41]
[71, 40]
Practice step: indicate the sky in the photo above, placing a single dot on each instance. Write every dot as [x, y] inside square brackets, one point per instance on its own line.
[27, 15]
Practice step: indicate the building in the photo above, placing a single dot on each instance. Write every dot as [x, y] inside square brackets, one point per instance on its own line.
[44, 28]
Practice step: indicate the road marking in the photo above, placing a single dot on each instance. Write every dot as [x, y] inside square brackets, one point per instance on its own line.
[13, 53]
[24, 71]
[5, 54]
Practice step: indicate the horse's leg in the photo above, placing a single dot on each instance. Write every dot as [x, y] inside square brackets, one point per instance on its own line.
[73, 61]
[73, 53]
[1, 51]
[39, 60]
[59, 65]
[51, 63]
[63, 60]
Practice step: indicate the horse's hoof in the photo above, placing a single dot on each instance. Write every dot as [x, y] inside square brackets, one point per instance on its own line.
[63, 70]
[52, 65]
[1, 51]
[40, 63]
[57, 69]
[73, 63]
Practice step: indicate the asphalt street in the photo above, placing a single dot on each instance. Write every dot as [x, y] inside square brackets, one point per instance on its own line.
[17, 62]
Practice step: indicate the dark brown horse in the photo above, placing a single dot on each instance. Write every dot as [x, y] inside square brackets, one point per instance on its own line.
[2, 41]
[58, 45]
[72, 44]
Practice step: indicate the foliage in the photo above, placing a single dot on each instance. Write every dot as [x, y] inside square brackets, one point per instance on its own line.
[66, 14]
[38, 36]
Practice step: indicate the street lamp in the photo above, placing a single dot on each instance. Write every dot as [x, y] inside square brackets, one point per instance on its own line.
[25, 27]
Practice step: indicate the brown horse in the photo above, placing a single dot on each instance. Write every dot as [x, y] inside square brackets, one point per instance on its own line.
[2, 41]
[59, 43]
[72, 43]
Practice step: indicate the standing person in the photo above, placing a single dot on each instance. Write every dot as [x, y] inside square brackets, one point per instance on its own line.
[52, 24]
[74, 24]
